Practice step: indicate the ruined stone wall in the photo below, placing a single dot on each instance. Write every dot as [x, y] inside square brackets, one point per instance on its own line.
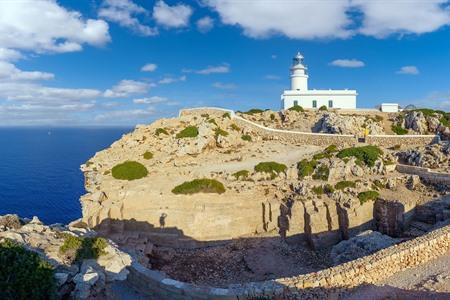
[369, 269]
[425, 174]
[404, 140]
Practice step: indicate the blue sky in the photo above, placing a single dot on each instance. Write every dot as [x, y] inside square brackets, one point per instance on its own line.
[77, 63]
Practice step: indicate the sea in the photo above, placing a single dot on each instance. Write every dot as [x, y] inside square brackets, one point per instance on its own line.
[40, 169]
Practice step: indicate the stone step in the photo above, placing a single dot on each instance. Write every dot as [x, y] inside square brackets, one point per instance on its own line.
[421, 225]
[120, 290]
[413, 232]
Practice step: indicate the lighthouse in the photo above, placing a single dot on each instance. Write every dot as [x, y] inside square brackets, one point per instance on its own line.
[299, 74]
[300, 95]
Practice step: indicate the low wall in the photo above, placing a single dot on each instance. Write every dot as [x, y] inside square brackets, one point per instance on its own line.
[370, 269]
[317, 139]
[425, 174]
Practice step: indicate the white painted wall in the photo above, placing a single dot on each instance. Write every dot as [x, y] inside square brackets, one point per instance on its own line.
[389, 107]
[341, 99]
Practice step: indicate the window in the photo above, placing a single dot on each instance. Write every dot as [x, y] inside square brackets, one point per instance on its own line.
[295, 103]
[314, 104]
[330, 103]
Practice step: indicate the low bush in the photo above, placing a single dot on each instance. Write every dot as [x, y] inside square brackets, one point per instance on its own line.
[272, 117]
[377, 185]
[148, 155]
[323, 108]
[306, 168]
[218, 131]
[253, 111]
[397, 147]
[328, 188]
[271, 167]
[367, 196]
[23, 274]
[321, 173]
[79, 248]
[204, 115]
[212, 121]
[367, 154]
[246, 138]
[199, 186]
[159, 131]
[318, 190]
[344, 184]
[226, 115]
[241, 174]
[296, 108]
[235, 127]
[399, 130]
[129, 170]
[188, 132]
[327, 153]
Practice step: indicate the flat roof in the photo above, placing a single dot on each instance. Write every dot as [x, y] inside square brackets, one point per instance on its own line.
[320, 92]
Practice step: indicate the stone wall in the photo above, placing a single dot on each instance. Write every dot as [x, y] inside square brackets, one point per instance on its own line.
[425, 174]
[369, 269]
[318, 139]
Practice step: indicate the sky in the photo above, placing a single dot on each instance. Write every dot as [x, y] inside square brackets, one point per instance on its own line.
[128, 62]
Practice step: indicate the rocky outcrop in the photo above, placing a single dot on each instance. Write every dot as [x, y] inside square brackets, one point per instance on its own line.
[434, 156]
[389, 217]
[340, 124]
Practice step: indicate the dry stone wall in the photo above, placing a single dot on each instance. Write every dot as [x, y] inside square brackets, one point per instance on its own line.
[369, 269]
[426, 174]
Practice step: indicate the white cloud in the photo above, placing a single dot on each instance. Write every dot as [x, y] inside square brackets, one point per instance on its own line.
[9, 54]
[151, 100]
[382, 18]
[205, 24]
[149, 68]
[224, 86]
[176, 16]
[347, 63]
[9, 71]
[408, 70]
[124, 13]
[44, 26]
[294, 19]
[125, 115]
[168, 80]
[272, 77]
[273, 56]
[126, 88]
[224, 68]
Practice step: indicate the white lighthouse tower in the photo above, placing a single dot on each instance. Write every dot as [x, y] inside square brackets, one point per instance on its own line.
[299, 74]
[300, 95]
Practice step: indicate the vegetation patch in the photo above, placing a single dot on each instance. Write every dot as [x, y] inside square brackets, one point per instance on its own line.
[226, 115]
[323, 108]
[89, 163]
[272, 117]
[241, 174]
[79, 248]
[188, 132]
[148, 155]
[318, 190]
[306, 167]
[253, 111]
[199, 186]
[218, 131]
[129, 170]
[327, 153]
[367, 196]
[321, 173]
[246, 138]
[377, 185]
[328, 189]
[367, 154]
[399, 130]
[235, 127]
[344, 184]
[212, 121]
[23, 274]
[204, 115]
[296, 108]
[159, 131]
[271, 167]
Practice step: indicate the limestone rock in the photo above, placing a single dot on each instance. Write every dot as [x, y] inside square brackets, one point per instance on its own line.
[9, 222]
[339, 124]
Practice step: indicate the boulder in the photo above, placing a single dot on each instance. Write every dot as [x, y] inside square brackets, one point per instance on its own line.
[8, 222]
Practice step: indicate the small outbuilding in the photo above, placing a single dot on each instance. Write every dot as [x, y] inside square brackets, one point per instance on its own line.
[390, 107]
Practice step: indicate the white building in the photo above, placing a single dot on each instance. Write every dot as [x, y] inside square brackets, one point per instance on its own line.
[389, 107]
[300, 95]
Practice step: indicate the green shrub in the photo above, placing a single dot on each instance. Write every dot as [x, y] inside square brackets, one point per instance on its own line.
[253, 111]
[246, 138]
[159, 131]
[241, 174]
[23, 274]
[428, 111]
[397, 147]
[204, 115]
[226, 115]
[367, 154]
[271, 167]
[344, 184]
[399, 130]
[89, 163]
[377, 185]
[321, 173]
[296, 108]
[188, 132]
[235, 127]
[199, 186]
[367, 196]
[212, 121]
[331, 149]
[323, 108]
[318, 190]
[218, 131]
[148, 155]
[272, 117]
[106, 172]
[328, 189]
[79, 248]
[306, 168]
[129, 170]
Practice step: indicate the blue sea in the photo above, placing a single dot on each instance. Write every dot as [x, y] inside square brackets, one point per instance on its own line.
[40, 169]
